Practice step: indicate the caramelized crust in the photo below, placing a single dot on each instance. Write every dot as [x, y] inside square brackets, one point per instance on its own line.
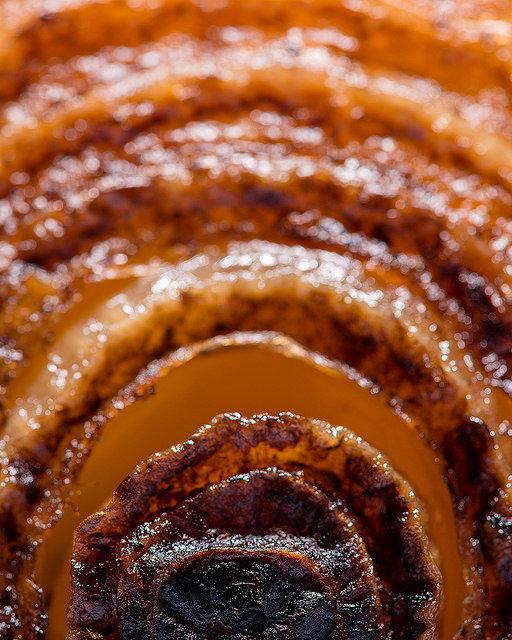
[213, 505]
[337, 172]
[135, 156]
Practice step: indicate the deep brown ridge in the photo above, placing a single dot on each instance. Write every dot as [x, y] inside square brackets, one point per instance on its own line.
[160, 488]
[396, 127]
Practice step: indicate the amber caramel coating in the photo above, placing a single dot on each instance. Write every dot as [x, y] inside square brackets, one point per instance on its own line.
[135, 156]
[339, 172]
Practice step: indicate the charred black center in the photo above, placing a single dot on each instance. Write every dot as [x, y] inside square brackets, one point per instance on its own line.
[243, 598]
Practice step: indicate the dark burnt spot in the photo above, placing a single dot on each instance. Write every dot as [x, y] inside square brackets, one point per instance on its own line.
[260, 196]
[469, 452]
[212, 598]
[9, 527]
[475, 293]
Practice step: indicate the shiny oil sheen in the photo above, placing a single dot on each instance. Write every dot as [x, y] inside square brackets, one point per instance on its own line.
[253, 379]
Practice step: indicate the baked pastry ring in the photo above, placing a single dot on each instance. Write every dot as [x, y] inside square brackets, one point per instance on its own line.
[172, 171]
[269, 525]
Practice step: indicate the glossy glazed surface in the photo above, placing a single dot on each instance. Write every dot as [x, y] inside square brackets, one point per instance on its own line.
[337, 172]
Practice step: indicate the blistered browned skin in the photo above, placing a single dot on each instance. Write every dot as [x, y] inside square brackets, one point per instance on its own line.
[331, 305]
[294, 122]
[274, 491]
[357, 140]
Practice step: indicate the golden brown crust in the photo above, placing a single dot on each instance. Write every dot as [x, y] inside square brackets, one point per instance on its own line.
[265, 489]
[151, 144]
[95, 177]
